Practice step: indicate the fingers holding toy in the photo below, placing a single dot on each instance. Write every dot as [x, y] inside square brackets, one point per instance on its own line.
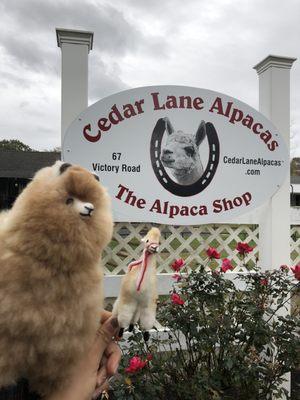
[106, 332]
[113, 354]
[86, 375]
[108, 367]
[101, 381]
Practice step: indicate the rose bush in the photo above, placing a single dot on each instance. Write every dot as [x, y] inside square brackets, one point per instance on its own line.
[296, 271]
[176, 299]
[243, 248]
[222, 340]
[226, 265]
[177, 264]
[135, 365]
[213, 253]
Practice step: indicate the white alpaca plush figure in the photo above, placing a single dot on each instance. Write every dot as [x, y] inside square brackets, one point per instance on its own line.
[181, 154]
[138, 294]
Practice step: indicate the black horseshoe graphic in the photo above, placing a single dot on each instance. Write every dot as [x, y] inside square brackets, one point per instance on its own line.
[163, 177]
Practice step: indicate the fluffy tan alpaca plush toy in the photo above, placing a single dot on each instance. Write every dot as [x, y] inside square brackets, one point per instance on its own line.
[138, 295]
[50, 275]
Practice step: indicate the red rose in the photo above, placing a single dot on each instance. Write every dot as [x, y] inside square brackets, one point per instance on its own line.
[226, 265]
[296, 271]
[149, 357]
[176, 299]
[135, 365]
[264, 282]
[212, 253]
[177, 264]
[243, 248]
[177, 277]
[284, 268]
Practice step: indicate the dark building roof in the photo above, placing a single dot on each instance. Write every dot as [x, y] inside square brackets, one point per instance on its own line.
[24, 164]
[295, 179]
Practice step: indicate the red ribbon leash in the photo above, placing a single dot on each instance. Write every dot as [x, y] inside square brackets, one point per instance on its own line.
[144, 261]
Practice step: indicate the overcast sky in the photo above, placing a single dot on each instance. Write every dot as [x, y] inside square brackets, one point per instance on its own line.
[211, 44]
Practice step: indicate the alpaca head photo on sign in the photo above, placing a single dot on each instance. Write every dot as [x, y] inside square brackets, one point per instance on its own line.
[180, 154]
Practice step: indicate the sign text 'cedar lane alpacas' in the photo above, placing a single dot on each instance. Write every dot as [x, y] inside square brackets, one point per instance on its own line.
[178, 155]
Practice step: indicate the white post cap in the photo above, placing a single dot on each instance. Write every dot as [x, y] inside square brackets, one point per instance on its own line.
[274, 61]
[74, 37]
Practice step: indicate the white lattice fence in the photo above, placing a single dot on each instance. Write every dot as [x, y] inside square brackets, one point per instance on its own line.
[187, 242]
[295, 244]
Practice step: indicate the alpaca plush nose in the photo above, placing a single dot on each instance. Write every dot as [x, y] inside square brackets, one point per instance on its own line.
[153, 248]
[89, 207]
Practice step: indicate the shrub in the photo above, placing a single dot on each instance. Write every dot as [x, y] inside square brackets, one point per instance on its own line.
[222, 341]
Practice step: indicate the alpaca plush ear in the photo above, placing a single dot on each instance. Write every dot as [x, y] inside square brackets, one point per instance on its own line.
[169, 127]
[200, 134]
[63, 167]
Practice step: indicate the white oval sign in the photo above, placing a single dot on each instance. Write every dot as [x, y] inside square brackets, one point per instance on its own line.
[178, 155]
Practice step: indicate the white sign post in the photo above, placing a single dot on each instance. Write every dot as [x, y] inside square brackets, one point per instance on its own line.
[274, 102]
[275, 227]
[75, 47]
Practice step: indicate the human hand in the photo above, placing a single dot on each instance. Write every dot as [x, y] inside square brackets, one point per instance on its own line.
[109, 362]
[88, 380]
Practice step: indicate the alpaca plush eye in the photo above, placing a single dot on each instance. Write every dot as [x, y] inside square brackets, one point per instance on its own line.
[96, 177]
[69, 200]
[190, 151]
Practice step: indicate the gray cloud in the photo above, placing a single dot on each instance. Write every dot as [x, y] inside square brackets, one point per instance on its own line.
[139, 42]
[31, 43]
[11, 78]
[113, 32]
[104, 79]
[29, 53]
